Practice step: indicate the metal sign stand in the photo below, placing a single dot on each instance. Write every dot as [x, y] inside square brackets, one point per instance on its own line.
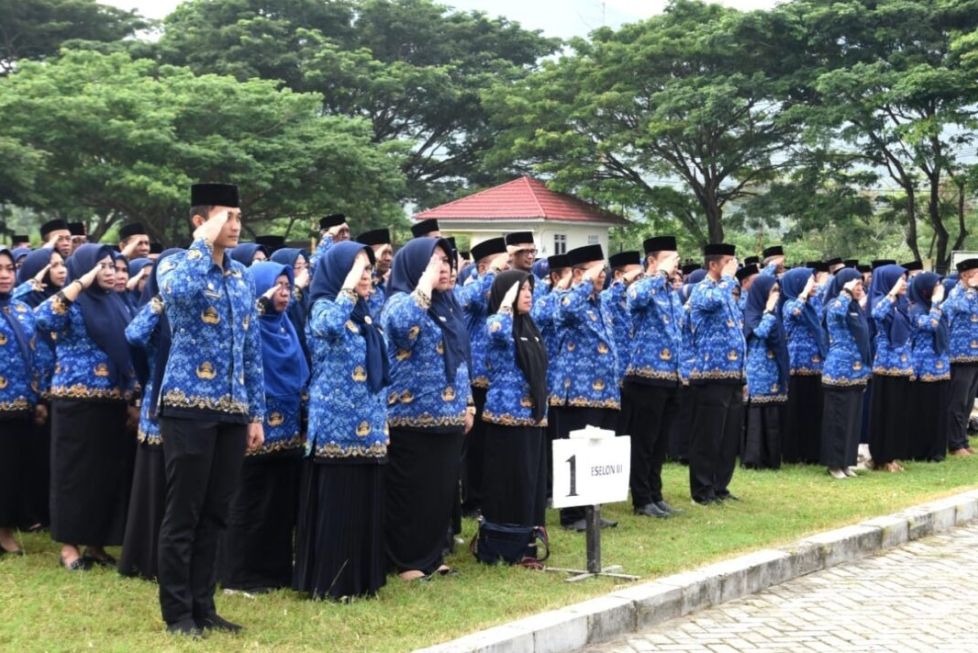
[592, 518]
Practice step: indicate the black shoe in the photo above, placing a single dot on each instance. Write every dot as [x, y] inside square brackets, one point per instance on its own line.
[709, 501]
[185, 628]
[217, 622]
[651, 510]
[607, 523]
[79, 564]
[103, 559]
[727, 497]
[578, 526]
[665, 507]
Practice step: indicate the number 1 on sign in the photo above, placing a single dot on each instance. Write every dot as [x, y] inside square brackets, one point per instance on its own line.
[572, 461]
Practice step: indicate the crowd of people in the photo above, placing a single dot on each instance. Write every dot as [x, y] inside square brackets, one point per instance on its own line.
[263, 416]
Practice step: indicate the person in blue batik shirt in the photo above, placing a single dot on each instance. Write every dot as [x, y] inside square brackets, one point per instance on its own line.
[256, 550]
[808, 345]
[515, 490]
[587, 390]
[626, 267]
[332, 229]
[772, 261]
[428, 406]
[716, 377]
[211, 405]
[767, 376]
[846, 372]
[745, 278]
[340, 536]
[932, 368]
[893, 394]
[522, 254]
[650, 391]
[18, 408]
[961, 310]
[379, 241]
[92, 451]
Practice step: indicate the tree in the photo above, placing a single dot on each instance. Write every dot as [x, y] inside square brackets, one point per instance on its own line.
[34, 29]
[123, 140]
[683, 114]
[413, 68]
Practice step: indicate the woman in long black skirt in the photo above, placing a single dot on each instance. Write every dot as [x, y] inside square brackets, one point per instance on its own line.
[428, 406]
[91, 450]
[340, 534]
[515, 414]
[845, 373]
[893, 396]
[932, 368]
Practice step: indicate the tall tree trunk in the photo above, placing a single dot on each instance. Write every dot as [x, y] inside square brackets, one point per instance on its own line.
[934, 213]
[911, 237]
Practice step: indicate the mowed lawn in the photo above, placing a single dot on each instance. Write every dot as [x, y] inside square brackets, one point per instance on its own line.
[43, 608]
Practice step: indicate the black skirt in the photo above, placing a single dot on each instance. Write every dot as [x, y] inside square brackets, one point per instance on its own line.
[147, 502]
[889, 416]
[340, 534]
[422, 481]
[515, 475]
[256, 548]
[682, 428]
[842, 414]
[15, 445]
[761, 446]
[929, 418]
[91, 471]
[801, 439]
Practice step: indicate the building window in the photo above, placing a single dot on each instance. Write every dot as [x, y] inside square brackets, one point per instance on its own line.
[593, 239]
[560, 244]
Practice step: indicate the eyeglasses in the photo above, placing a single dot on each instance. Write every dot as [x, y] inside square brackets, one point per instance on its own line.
[530, 252]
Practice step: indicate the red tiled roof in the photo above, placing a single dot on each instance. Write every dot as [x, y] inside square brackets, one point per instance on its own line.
[522, 198]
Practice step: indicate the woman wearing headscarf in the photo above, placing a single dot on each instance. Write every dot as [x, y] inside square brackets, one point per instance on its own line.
[256, 552]
[807, 348]
[767, 375]
[18, 407]
[340, 535]
[149, 336]
[515, 487]
[429, 405]
[121, 264]
[889, 410]
[91, 452]
[932, 368]
[41, 274]
[298, 260]
[139, 269]
[248, 253]
[845, 373]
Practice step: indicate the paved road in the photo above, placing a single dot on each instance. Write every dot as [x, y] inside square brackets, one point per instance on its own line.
[920, 597]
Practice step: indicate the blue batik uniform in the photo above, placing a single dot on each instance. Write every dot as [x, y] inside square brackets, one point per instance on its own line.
[139, 333]
[764, 382]
[377, 298]
[347, 421]
[545, 316]
[890, 359]
[588, 360]
[804, 355]
[928, 365]
[325, 243]
[961, 310]
[509, 401]
[214, 371]
[419, 396]
[474, 299]
[18, 377]
[82, 370]
[655, 349]
[844, 365]
[614, 302]
[717, 333]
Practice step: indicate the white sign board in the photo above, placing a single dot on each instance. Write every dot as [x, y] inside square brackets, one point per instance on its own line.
[591, 471]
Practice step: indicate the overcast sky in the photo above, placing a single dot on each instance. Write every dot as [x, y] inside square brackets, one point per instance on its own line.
[563, 18]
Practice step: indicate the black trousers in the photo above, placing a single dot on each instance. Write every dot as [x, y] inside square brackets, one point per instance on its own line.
[473, 456]
[648, 413]
[203, 465]
[718, 418]
[964, 387]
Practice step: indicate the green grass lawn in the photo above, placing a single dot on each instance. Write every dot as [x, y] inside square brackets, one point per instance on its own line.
[43, 608]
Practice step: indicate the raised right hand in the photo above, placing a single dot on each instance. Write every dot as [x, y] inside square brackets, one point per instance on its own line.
[212, 227]
[510, 297]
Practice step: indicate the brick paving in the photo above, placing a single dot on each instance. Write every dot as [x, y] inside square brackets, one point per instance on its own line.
[921, 597]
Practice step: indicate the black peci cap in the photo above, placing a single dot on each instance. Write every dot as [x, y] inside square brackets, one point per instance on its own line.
[747, 271]
[880, 262]
[52, 225]
[913, 266]
[967, 264]
[719, 249]
[21, 238]
[586, 254]
[864, 268]
[519, 238]
[621, 259]
[488, 248]
[465, 254]
[214, 195]
[375, 237]
[270, 242]
[77, 228]
[331, 220]
[752, 260]
[131, 229]
[557, 261]
[834, 261]
[660, 244]
[851, 263]
[424, 227]
[818, 266]
[773, 250]
[690, 268]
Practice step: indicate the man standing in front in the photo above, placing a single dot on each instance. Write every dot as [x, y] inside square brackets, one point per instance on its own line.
[211, 405]
[716, 377]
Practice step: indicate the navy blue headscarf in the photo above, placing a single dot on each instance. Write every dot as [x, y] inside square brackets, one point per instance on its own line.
[284, 362]
[856, 318]
[245, 253]
[792, 283]
[160, 337]
[920, 291]
[23, 340]
[105, 313]
[298, 310]
[288, 255]
[326, 284]
[896, 325]
[757, 298]
[30, 266]
[409, 264]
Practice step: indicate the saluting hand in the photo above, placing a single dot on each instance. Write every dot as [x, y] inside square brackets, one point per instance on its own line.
[87, 279]
[898, 287]
[356, 272]
[730, 269]
[938, 295]
[130, 247]
[499, 262]
[39, 277]
[808, 289]
[212, 227]
[849, 287]
[772, 300]
[669, 264]
[135, 279]
[510, 297]
[302, 278]
[565, 279]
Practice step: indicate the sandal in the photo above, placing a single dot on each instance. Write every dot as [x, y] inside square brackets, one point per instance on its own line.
[78, 564]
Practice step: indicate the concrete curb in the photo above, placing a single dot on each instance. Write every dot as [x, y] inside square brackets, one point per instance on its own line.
[641, 606]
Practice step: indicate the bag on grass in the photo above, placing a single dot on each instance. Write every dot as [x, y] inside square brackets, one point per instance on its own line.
[508, 543]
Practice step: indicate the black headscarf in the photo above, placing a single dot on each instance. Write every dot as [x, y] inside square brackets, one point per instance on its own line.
[920, 291]
[103, 310]
[531, 355]
[855, 315]
[327, 282]
[409, 264]
[23, 339]
[29, 267]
